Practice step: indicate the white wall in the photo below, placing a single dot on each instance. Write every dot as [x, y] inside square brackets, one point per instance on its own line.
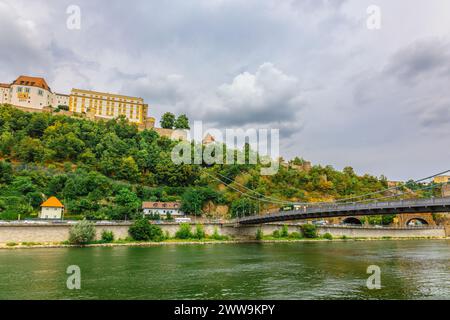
[34, 100]
[4, 95]
[59, 99]
[51, 213]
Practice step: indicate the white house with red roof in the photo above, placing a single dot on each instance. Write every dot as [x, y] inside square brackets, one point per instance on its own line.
[32, 93]
[162, 208]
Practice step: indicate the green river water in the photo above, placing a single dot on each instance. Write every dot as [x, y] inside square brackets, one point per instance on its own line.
[305, 270]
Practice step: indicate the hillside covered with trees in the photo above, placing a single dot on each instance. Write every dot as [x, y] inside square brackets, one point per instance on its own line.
[105, 169]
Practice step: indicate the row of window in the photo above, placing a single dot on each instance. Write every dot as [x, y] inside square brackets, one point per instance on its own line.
[164, 211]
[27, 90]
[110, 110]
[88, 96]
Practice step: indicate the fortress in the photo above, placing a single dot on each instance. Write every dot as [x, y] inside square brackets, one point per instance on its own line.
[33, 94]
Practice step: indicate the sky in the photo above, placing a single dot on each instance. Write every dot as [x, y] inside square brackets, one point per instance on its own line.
[341, 94]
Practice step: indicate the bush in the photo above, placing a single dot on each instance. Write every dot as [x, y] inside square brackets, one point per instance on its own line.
[107, 236]
[169, 217]
[309, 231]
[142, 230]
[199, 232]
[154, 216]
[284, 233]
[259, 234]
[184, 232]
[82, 233]
[328, 236]
[217, 236]
[295, 235]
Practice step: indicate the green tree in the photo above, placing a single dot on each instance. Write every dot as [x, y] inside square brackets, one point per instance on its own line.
[167, 120]
[128, 170]
[107, 236]
[30, 150]
[243, 207]
[184, 232]
[309, 230]
[6, 143]
[6, 172]
[193, 199]
[82, 233]
[200, 232]
[142, 230]
[182, 122]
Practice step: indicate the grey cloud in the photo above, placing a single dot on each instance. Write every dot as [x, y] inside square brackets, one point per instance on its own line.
[436, 116]
[421, 60]
[432, 113]
[20, 49]
[268, 96]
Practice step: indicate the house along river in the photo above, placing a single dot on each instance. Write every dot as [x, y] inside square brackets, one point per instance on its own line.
[304, 270]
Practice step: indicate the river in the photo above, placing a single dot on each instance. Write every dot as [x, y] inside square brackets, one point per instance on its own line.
[306, 270]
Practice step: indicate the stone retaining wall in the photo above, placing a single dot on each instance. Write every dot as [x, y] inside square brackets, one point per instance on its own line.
[19, 233]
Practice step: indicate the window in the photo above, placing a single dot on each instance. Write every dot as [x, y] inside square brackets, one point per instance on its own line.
[19, 89]
[27, 90]
[40, 92]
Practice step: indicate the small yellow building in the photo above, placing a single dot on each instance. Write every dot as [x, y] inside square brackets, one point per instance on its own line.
[441, 179]
[52, 208]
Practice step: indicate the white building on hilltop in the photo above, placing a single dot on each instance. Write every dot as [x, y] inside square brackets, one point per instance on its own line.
[31, 94]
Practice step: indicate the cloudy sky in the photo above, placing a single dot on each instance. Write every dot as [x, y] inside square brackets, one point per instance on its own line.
[340, 93]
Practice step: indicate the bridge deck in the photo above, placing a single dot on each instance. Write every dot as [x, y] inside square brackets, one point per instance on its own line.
[360, 209]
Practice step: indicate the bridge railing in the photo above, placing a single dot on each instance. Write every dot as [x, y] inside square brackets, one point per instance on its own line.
[385, 204]
[359, 206]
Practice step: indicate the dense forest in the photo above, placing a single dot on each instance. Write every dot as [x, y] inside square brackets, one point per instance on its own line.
[105, 169]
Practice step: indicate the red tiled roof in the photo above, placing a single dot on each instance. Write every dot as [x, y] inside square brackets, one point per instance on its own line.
[32, 82]
[4, 85]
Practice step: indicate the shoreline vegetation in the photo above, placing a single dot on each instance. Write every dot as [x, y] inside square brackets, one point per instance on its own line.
[129, 242]
[265, 240]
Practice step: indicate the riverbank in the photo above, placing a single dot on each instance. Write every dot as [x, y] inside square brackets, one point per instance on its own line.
[15, 246]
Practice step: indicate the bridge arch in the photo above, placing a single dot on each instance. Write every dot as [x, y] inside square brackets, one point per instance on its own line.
[416, 221]
[425, 219]
[352, 220]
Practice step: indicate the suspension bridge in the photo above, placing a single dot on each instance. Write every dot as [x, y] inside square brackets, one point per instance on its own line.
[358, 209]
[361, 205]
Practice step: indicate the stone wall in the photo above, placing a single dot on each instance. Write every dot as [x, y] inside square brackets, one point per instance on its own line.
[60, 232]
[363, 232]
[172, 134]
